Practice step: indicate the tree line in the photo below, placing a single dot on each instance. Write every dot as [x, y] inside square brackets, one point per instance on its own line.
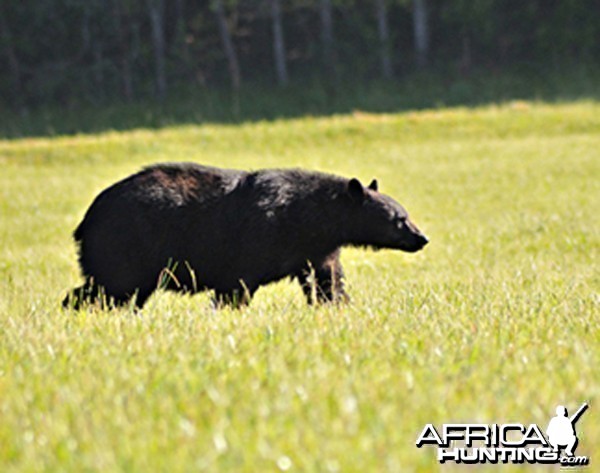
[64, 51]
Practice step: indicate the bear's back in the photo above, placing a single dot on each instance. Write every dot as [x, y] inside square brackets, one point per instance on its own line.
[178, 184]
[159, 189]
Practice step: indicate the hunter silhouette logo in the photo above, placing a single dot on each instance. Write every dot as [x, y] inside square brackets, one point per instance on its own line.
[561, 430]
[508, 443]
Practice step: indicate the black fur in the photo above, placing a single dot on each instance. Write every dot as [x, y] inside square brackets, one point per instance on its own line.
[188, 227]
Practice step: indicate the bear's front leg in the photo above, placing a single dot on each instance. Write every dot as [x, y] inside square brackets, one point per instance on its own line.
[235, 298]
[323, 281]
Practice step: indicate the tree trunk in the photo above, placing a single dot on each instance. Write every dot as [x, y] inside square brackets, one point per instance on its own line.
[124, 53]
[466, 59]
[98, 68]
[13, 63]
[232, 60]
[180, 20]
[180, 45]
[421, 31]
[156, 12]
[278, 43]
[127, 78]
[327, 38]
[384, 40]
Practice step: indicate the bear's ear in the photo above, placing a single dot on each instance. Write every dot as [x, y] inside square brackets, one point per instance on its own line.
[356, 190]
[374, 186]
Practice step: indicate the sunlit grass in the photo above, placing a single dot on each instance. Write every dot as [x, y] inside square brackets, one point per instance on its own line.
[497, 320]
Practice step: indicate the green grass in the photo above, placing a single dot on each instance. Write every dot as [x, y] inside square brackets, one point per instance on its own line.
[496, 321]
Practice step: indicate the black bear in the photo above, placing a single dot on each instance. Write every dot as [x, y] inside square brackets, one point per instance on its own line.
[187, 227]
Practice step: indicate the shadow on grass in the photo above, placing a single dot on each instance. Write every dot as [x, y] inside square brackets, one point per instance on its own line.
[260, 102]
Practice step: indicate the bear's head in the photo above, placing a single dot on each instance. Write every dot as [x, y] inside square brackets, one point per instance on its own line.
[379, 221]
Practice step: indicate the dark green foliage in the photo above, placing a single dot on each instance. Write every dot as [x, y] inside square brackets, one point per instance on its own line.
[67, 52]
[192, 105]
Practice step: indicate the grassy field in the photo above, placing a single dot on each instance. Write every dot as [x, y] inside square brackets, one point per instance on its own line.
[496, 321]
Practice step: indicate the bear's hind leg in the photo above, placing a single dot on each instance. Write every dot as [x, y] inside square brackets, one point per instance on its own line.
[88, 293]
[92, 294]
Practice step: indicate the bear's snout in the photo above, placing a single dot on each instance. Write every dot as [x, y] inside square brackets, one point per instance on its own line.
[415, 239]
[422, 240]
[418, 243]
